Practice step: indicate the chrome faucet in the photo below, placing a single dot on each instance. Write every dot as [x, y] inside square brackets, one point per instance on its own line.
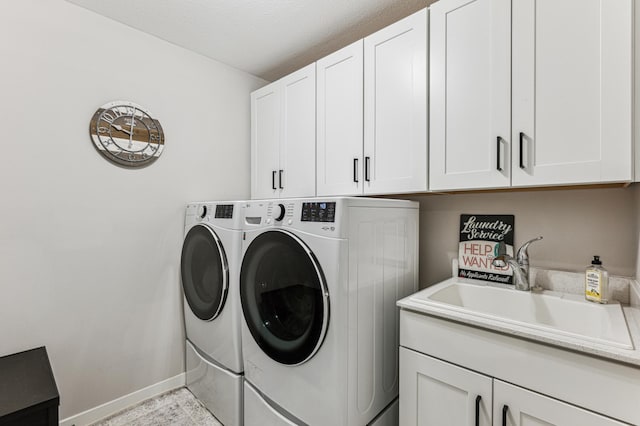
[519, 265]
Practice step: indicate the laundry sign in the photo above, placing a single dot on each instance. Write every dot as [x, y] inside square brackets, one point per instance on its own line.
[479, 239]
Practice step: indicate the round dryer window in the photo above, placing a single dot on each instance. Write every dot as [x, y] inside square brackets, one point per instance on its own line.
[205, 273]
[284, 297]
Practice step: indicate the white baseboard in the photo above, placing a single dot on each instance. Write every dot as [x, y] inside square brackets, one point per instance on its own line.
[105, 410]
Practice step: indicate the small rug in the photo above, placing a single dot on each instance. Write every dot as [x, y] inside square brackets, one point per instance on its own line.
[178, 407]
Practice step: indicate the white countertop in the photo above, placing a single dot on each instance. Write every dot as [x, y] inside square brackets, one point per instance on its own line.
[571, 283]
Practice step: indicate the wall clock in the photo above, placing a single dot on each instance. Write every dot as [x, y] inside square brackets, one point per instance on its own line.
[126, 134]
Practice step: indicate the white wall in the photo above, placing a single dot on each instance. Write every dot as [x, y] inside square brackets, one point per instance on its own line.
[576, 224]
[636, 212]
[636, 121]
[89, 252]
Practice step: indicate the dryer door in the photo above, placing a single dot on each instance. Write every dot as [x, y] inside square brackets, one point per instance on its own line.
[205, 272]
[284, 297]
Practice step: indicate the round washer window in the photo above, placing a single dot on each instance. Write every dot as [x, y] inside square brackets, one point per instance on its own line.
[284, 297]
[204, 271]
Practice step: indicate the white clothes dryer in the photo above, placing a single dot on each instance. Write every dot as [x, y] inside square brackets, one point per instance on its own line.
[210, 262]
[319, 283]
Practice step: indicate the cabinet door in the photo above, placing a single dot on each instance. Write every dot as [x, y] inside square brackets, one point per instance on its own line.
[470, 94]
[395, 107]
[265, 141]
[339, 122]
[572, 91]
[526, 408]
[297, 172]
[433, 392]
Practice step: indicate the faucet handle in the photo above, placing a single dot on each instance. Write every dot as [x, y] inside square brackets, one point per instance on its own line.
[502, 257]
[523, 254]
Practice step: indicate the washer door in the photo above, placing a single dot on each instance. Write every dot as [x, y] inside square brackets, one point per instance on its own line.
[205, 272]
[284, 297]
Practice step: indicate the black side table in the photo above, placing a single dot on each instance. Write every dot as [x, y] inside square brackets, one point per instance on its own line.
[28, 392]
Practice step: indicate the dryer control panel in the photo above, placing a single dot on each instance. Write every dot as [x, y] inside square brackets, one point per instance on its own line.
[318, 212]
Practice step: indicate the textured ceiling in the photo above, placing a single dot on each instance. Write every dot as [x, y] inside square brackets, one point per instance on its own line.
[266, 38]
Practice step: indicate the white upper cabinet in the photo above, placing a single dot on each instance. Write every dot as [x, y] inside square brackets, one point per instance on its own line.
[530, 93]
[395, 107]
[283, 136]
[372, 113]
[265, 141]
[339, 122]
[572, 91]
[298, 138]
[470, 94]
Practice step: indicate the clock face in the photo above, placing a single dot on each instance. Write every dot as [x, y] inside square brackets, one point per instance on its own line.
[126, 134]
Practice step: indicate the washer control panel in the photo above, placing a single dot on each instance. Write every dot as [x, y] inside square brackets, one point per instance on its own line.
[318, 212]
[224, 211]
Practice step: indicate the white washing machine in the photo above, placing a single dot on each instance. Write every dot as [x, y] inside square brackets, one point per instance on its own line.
[318, 286]
[210, 262]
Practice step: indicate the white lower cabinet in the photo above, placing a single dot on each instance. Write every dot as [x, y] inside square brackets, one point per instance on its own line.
[435, 392]
[513, 405]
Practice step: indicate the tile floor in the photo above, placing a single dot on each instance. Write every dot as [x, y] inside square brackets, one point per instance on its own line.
[175, 408]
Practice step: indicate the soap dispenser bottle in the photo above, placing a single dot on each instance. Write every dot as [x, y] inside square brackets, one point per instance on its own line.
[596, 282]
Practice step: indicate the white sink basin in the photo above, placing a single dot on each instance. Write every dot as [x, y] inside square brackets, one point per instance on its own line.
[566, 315]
